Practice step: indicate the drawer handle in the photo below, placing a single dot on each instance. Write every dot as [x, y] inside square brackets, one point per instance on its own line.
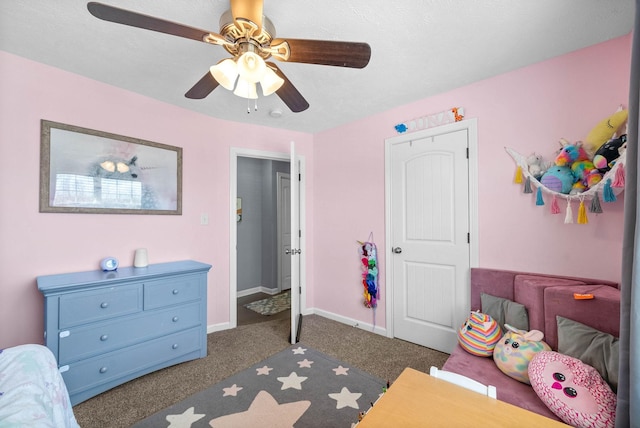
[175, 346]
[174, 319]
[103, 369]
[104, 337]
[104, 305]
[175, 291]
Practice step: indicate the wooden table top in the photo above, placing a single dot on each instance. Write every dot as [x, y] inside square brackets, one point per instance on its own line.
[416, 399]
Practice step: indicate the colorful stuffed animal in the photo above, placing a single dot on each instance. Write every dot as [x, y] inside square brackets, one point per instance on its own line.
[570, 153]
[607, 154]
[559, 179]
[479, 334]
[515, 350]
[574, 391]
[603, 131]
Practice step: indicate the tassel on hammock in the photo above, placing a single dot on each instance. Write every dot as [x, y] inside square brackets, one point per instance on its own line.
[618, 180]
[539, 200]
[582, 213]
[568, 218]
[527, 185]
[608, 194]
[555, 209]
[518, 178]
[595, 206]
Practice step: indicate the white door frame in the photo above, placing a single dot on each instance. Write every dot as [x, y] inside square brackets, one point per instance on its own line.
[471, 126]
[235, 153]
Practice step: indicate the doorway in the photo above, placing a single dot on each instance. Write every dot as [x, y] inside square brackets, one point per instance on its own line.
[262, 195]
[432, 237]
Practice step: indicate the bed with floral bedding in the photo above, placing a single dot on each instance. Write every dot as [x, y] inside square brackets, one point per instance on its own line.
[32, 391]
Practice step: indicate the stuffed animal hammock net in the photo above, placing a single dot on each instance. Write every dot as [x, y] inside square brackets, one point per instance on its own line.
[369, 263]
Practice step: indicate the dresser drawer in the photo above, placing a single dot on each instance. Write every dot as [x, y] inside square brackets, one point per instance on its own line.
[96, 339]
[95, 305]
[99, 370]
[171, 291]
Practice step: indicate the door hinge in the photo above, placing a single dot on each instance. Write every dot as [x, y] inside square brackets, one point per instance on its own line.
[299, 233]
[467, 152]
[468, 238]
[299, 177]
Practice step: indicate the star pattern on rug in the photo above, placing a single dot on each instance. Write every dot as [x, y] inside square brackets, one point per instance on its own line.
[292, 381]
[185, 419]
[299, 350]
[231, 391]
[305, 363]
[341, 371]
[346, 398]
[264, 411]
[264, 370]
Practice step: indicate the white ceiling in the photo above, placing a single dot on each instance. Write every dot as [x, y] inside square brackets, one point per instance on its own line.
[419, 48]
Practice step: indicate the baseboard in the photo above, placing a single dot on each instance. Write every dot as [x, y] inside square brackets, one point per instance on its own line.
[218, 327]
[348, 321]
[254, 290]
[311, 311]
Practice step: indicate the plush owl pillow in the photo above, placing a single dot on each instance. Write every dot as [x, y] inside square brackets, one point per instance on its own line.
[574, 391]
[479, 334]
[515, 350]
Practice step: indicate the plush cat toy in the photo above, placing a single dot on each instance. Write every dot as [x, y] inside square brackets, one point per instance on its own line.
[607, 154]
[515, 350]
[479, 334]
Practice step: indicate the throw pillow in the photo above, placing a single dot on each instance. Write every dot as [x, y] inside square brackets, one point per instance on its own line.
[572, 390]
[514, 351]
[479, 334]
[593, 347]
[505, 311]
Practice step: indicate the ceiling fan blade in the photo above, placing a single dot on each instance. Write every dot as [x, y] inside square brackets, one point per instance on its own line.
[135, 19]
[248, 9]
[289, 94]
[326, 52]
[203, 88]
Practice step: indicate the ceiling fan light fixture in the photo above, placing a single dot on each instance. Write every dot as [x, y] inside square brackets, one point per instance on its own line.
[225, 72]
[246, 89]
[270, 82]
[251, 67]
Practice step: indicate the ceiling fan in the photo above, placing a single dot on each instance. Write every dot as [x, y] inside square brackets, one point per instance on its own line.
[249, 37]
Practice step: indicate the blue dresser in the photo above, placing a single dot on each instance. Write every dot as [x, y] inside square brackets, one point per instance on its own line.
[106, 328]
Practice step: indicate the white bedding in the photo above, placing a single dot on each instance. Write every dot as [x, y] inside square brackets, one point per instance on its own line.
[32, 392]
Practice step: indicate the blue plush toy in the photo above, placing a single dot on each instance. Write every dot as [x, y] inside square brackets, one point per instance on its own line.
[559, 179]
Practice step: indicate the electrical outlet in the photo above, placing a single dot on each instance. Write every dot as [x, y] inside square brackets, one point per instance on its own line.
[204, 219]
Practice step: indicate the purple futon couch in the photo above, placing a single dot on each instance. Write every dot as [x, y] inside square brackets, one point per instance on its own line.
[544, 297]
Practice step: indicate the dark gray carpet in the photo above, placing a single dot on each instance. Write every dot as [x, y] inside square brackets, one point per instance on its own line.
[231, 351]
[296, 387]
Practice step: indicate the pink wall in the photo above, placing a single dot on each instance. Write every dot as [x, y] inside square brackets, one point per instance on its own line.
[530, 110]
[33, 244]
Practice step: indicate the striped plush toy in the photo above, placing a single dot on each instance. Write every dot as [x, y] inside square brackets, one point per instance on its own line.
[479, 334]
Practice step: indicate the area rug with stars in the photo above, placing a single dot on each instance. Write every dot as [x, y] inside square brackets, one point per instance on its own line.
[298, 387]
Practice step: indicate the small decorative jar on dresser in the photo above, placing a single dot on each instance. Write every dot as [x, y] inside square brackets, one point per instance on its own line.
[106, 328]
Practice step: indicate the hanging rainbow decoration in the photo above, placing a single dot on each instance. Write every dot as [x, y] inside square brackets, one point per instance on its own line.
[369, 263]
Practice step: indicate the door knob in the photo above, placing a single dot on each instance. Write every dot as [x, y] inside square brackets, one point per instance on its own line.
[397, 250]
[287, 251]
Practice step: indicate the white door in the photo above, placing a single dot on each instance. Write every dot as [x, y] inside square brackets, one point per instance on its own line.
[294, 171]
[429, 225]
[284, 230]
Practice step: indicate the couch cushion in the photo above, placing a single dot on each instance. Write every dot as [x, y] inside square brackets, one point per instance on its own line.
[593, 347]
[529, 291]
[505, 311]
[602, 312]
[485, 371]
